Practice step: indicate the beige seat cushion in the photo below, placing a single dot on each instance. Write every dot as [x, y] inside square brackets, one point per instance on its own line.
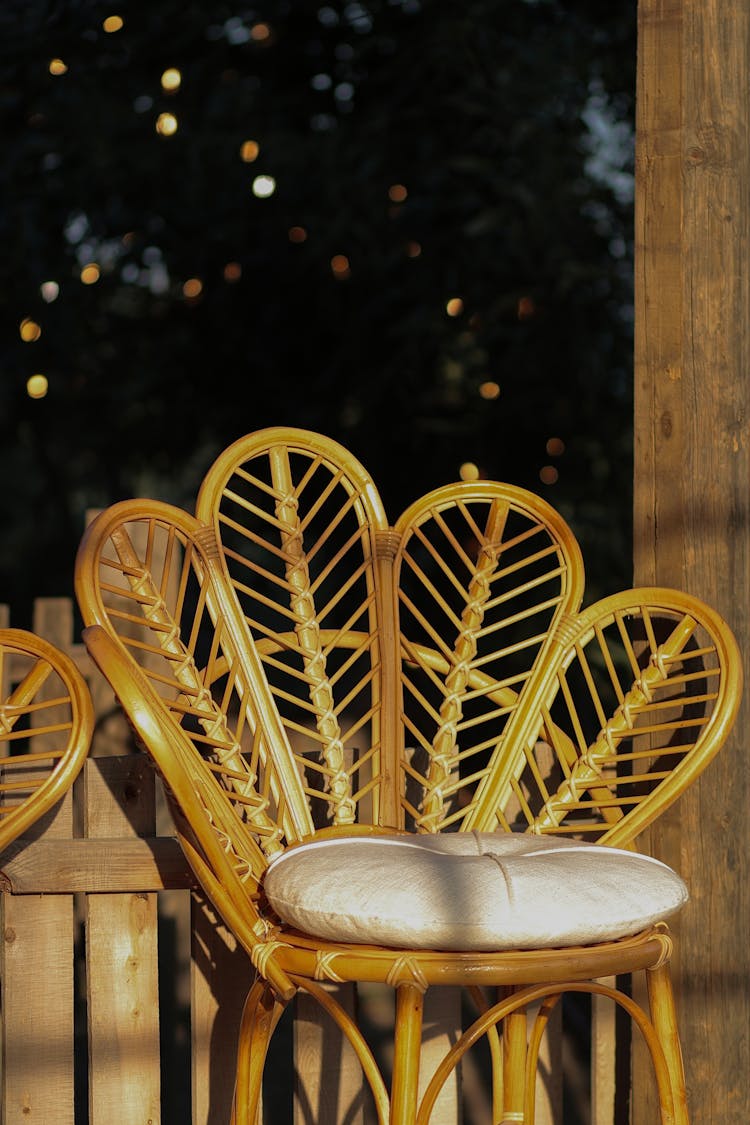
[469, 891]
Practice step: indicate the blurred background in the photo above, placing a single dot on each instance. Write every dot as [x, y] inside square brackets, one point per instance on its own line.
[406, 224]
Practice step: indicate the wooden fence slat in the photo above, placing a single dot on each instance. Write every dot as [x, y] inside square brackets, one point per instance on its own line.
[603, 1061]
[221, 976]
[36, 968]
[328, 1082]
[38, 1082]
[121, 956]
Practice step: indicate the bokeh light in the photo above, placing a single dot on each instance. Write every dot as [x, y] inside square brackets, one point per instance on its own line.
[297, 234]
[548, 474]
[112, 23]
[171, 79]
[57, 66]
[37, 386]
[489, 389]
[90, 274]
[249, 151]
[166, 124]
[555, 447]
[413, 249]
[232, 271]
[454, 307]
[264, 186]
[340, 267]
[50, 291]
[397, 193]
[29, 330]
[469, 471]
[192, 288]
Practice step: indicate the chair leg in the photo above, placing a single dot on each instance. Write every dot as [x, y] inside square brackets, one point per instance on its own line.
[406, 1053]
[259, 1018]
[664, 1019]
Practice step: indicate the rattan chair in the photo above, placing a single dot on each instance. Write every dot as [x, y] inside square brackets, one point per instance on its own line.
[46, 724]
[403, 754]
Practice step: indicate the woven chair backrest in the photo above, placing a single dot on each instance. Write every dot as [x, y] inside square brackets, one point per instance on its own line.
[46, 725]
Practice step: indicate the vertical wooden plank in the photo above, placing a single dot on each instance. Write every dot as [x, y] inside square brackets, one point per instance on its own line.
[691, 480]
[121, 957]
[328, 1084]
[603, 1062]
[37, 974]
[441, 1026]
[221, 977]
[37, 966]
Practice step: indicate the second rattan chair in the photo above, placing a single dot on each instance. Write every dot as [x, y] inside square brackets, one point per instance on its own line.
[46, 724]
[403, 754]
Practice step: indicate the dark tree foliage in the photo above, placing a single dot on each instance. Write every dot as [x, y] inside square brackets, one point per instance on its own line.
[508, 123]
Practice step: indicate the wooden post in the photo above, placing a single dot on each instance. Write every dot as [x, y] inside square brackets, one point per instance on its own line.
[692, 403]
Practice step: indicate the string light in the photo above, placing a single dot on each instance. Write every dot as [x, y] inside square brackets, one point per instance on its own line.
[90, 274]
[112, 24]
[37, 386]
[57, 66]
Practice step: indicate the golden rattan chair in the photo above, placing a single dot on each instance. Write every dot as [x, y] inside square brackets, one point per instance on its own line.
[404, 754]
[46, 724]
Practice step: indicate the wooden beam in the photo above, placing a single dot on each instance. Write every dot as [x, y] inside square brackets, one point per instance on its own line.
[97, 866]
[692, 471]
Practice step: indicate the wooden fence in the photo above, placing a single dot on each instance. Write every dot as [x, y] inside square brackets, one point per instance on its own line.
[122, 993]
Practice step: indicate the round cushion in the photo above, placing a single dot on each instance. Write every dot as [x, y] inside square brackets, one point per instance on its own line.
[469, 891]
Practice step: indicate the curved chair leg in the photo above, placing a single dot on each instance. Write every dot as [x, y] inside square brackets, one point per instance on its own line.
[532, 1053]
[259, 1018]
[406, 1052]
[664, 1019]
